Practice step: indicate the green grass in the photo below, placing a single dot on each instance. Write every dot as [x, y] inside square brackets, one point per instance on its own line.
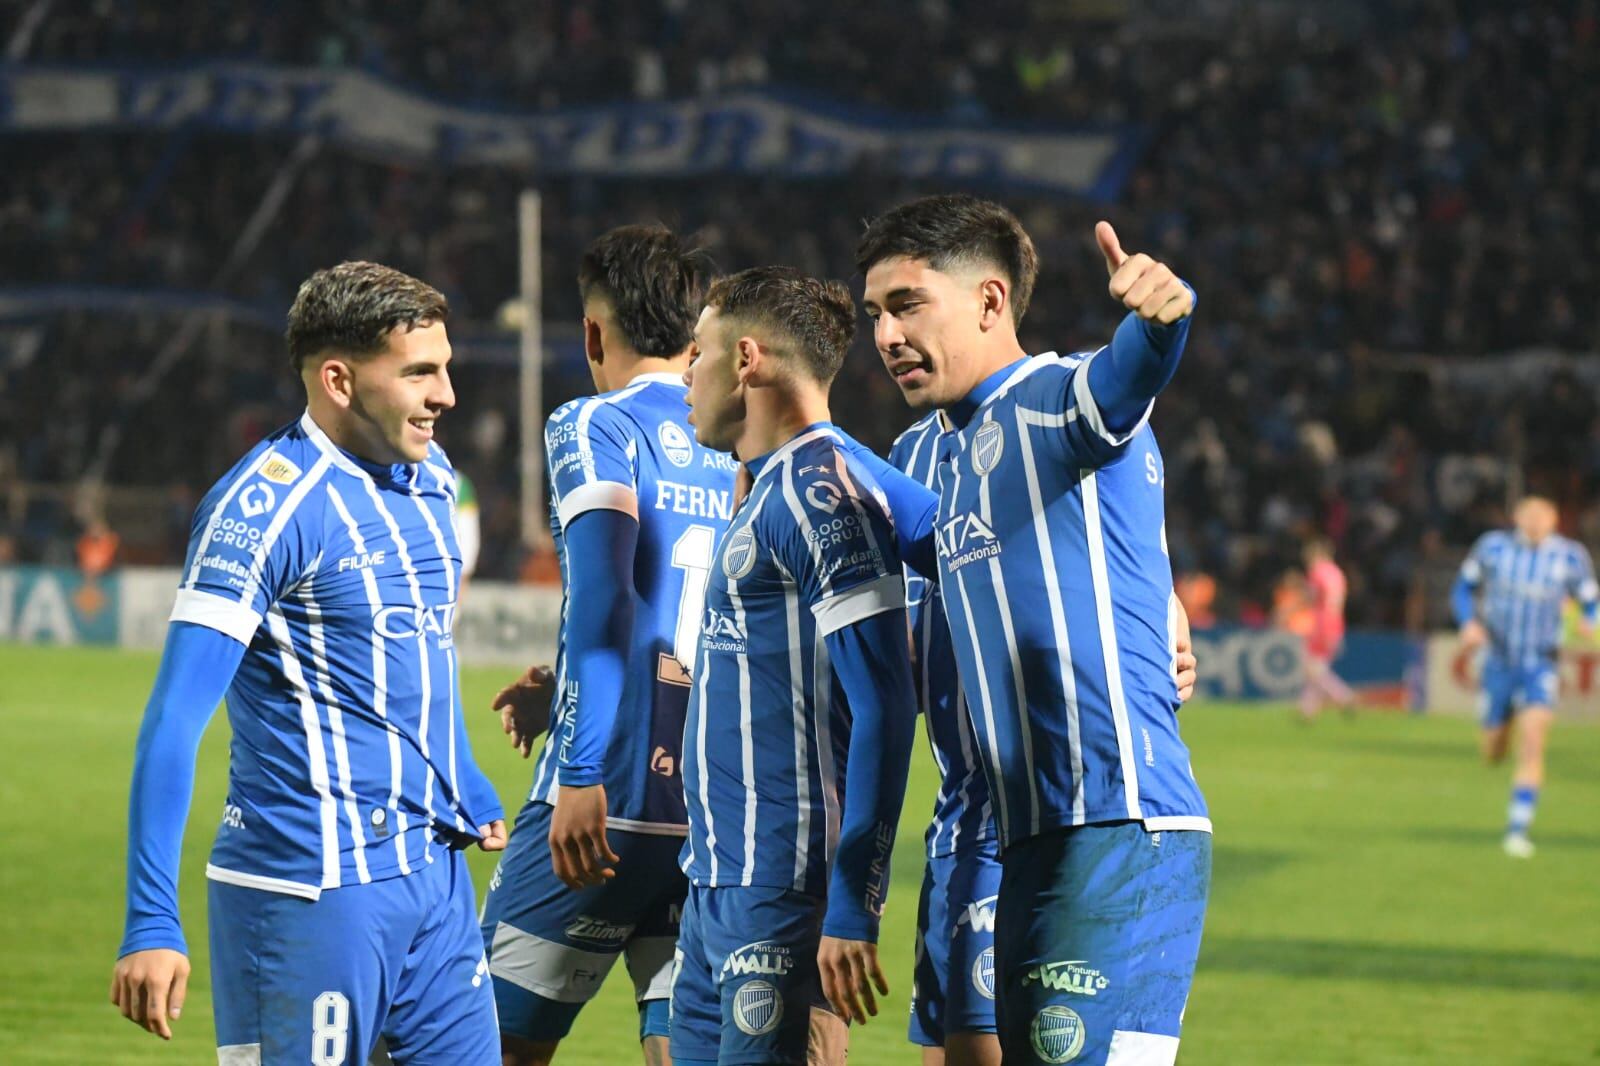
[1362, 911]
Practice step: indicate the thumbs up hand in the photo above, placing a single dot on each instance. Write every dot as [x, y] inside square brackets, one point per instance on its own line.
[1147, 288]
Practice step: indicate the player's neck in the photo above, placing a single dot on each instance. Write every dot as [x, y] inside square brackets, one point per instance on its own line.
[623, 369]
[994, 358]
[775, 418]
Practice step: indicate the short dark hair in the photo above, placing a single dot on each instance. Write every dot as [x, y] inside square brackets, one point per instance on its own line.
[815, 316]
[353, 307]
[653, 281]
[955, 229]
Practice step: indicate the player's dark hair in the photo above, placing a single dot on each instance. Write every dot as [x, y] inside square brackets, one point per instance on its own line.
[808, 318]
[955, 230]
[653, 282]
[352, 308]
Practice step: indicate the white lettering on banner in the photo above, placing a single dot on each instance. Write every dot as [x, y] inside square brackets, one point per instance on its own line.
[36, 612]
[748, 132]
[1251, 663]
[1452, 685]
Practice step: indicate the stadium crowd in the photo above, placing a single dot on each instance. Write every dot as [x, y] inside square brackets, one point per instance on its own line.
[1377, 203]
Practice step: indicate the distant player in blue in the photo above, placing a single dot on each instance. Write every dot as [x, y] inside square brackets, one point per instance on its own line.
[319, 595]
[638, 509]
[952, 1001]
[801, 716]
[1051, 544]
[1508, 598]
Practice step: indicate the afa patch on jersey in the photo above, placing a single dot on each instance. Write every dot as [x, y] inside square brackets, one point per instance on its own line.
[278, 469]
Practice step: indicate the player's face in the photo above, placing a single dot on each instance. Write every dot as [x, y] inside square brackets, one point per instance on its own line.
[396, 395]
[716, 395]
[1536, 519]
[926, 326]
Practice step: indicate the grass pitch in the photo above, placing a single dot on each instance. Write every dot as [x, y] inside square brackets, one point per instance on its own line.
[1361, 913]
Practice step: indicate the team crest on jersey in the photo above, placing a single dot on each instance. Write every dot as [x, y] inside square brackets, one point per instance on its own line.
[675, 442]
[988, 444]
[278, 469]
[1057, 1033]
[739, 557]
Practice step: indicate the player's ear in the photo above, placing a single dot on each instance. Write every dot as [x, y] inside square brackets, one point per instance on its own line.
[337, 381]
[749, 361]
[994, 299]
[594, 348]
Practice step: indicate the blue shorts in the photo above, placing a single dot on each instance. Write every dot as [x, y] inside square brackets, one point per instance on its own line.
[550, 947]
[1096, 936]
[297, 980]
[953, 986]
[746, 977]
[1510, 687]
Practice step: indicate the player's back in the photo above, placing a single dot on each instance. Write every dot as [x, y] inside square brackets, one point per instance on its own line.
[637, 441]
[340, 576]
[962, 816]
[1052, 543]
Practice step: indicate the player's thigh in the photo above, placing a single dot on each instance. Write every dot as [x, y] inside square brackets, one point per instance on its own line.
[1097, 934]
[443, 1012]
[296, 980]
[930, 960]
[1497, 700]
[550, 947]
[696, 1005]
[971, 898]
[763, 942]
[651, 950]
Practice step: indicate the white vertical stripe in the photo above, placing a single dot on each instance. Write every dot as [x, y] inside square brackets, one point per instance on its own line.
[425, 678]
[747, 741]
[1108, 639]
[802, 753]
[792, 498]
[316, 758]
[1058, 615]
[853, 496]
[1019, 683]
[704, 684]
[984, 700]
[275, 528]
[827, 771]
[453, 680]
[380, 682]
[341, 750]
[217, 513]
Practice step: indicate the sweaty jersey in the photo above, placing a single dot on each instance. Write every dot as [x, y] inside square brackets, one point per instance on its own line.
[1522, 588]
[811, 550]
[349, 754]
[1052, 550]
[962, 816]
[632, 450]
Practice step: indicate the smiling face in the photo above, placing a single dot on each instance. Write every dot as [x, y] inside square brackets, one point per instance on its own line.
[395, 396]
[716, 390]
[927, 327]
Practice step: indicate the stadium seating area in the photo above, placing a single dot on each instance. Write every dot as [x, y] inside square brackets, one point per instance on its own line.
[1371, 233]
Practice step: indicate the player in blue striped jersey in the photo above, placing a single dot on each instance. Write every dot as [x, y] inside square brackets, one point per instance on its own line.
[1052, 560]
[638, 509]
[1508, 599]
[801, 715]
[319, 595]
[952, 1001]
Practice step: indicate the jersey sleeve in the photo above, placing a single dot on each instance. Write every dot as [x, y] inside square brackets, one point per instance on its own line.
[837, 539]
[255, 534]
[1582, 584]
[593, 460]
[1463, 593]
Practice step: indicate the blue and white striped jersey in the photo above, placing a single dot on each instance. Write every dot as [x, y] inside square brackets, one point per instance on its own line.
[632, 450]
[340, 576]
[962, 815]
[811, 550]
[1521, 589]
[1052, 551]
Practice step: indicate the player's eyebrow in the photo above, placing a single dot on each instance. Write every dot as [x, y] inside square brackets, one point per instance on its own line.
[429, 365]
[897, 295]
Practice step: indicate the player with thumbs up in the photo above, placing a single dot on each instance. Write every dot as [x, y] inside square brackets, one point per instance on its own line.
[1043, 525]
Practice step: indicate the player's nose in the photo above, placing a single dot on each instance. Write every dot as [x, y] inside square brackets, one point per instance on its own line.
[887, 334]
[444, 393]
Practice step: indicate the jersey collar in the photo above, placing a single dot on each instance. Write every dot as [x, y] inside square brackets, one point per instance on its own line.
[959, 415]
[397, 473]
[658, 377]
[775, 457]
